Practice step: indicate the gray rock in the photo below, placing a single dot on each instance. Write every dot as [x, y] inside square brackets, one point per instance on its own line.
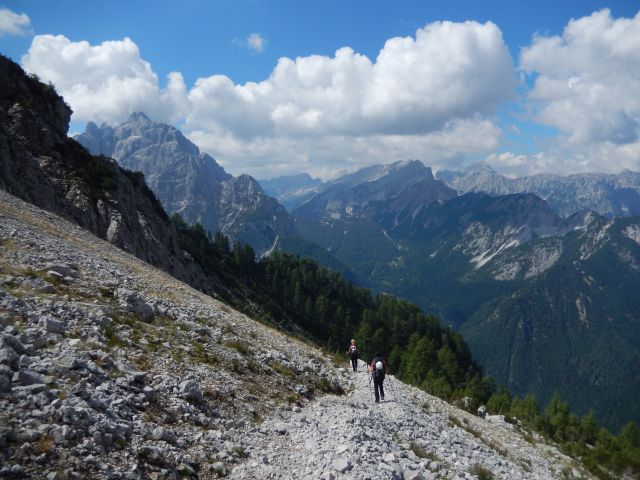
[152, 454]
[190, 389]
[7, 435]
[63, 270]
[218, 468]
[13, 343]
[342, 465]
[54, 326]
[28, 377]
[8, 356]
[412, 475]
[5, 383]
[135, 304]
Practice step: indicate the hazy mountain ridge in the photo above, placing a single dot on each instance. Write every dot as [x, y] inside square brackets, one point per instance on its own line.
[607, 194]
[192, 183]
[377, 190]
[292, 190]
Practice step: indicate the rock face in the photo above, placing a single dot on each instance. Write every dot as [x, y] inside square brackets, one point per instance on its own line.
[38, 163]
[608, 195]
[118, 370]
[191, 183]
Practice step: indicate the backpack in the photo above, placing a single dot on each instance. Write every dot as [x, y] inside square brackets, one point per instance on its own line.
[378, 374]
[353, 351]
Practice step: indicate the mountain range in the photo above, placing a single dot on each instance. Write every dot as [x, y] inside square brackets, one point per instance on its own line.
[607, 194]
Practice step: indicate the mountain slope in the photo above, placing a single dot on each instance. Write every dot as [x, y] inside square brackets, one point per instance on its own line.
[576, 323]
[191, 183]
[608, 195]
[127, 372]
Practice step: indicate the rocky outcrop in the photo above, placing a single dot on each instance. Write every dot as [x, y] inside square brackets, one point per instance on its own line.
[191, 183]
[41, 165]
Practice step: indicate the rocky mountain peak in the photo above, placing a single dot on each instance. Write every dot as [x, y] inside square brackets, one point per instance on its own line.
[138, 117]
[191, 182]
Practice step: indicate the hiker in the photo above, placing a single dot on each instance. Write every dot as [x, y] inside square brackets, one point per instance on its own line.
[378, 369]
[353, 353]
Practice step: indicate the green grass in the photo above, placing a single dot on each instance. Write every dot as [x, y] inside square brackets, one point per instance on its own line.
[422, 453]
[464, 424]
[481, 472]
[282, 370]
[241, 347]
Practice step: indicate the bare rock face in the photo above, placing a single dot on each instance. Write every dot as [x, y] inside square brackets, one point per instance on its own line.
[192, 183]
[41, 165]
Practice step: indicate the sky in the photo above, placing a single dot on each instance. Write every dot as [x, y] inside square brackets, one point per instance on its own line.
[281, 87]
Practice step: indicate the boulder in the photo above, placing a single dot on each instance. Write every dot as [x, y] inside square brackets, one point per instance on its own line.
[190, 389]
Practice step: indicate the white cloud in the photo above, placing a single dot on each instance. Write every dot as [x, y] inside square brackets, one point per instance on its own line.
[12, 23]
[430, 97]
[256, 42]
[106, 82]
[587, 85]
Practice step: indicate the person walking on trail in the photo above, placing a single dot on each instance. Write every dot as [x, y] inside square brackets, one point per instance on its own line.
[378, 369]
[353, 354]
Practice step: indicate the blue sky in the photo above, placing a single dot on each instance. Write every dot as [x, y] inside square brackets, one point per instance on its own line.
[505, 106]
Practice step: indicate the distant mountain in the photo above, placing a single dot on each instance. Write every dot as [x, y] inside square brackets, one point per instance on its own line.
[192, 183]
[400, 189]
[606, 194]
[292, 191]
[541, 297]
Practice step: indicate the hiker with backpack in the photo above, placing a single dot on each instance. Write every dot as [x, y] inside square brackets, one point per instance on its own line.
[353, 354]
[378, 369]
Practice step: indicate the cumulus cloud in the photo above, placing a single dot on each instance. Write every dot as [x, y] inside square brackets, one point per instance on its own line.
[106, 82]
[256, 42]
[12, 23]
[431, 96]
[587, 85]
